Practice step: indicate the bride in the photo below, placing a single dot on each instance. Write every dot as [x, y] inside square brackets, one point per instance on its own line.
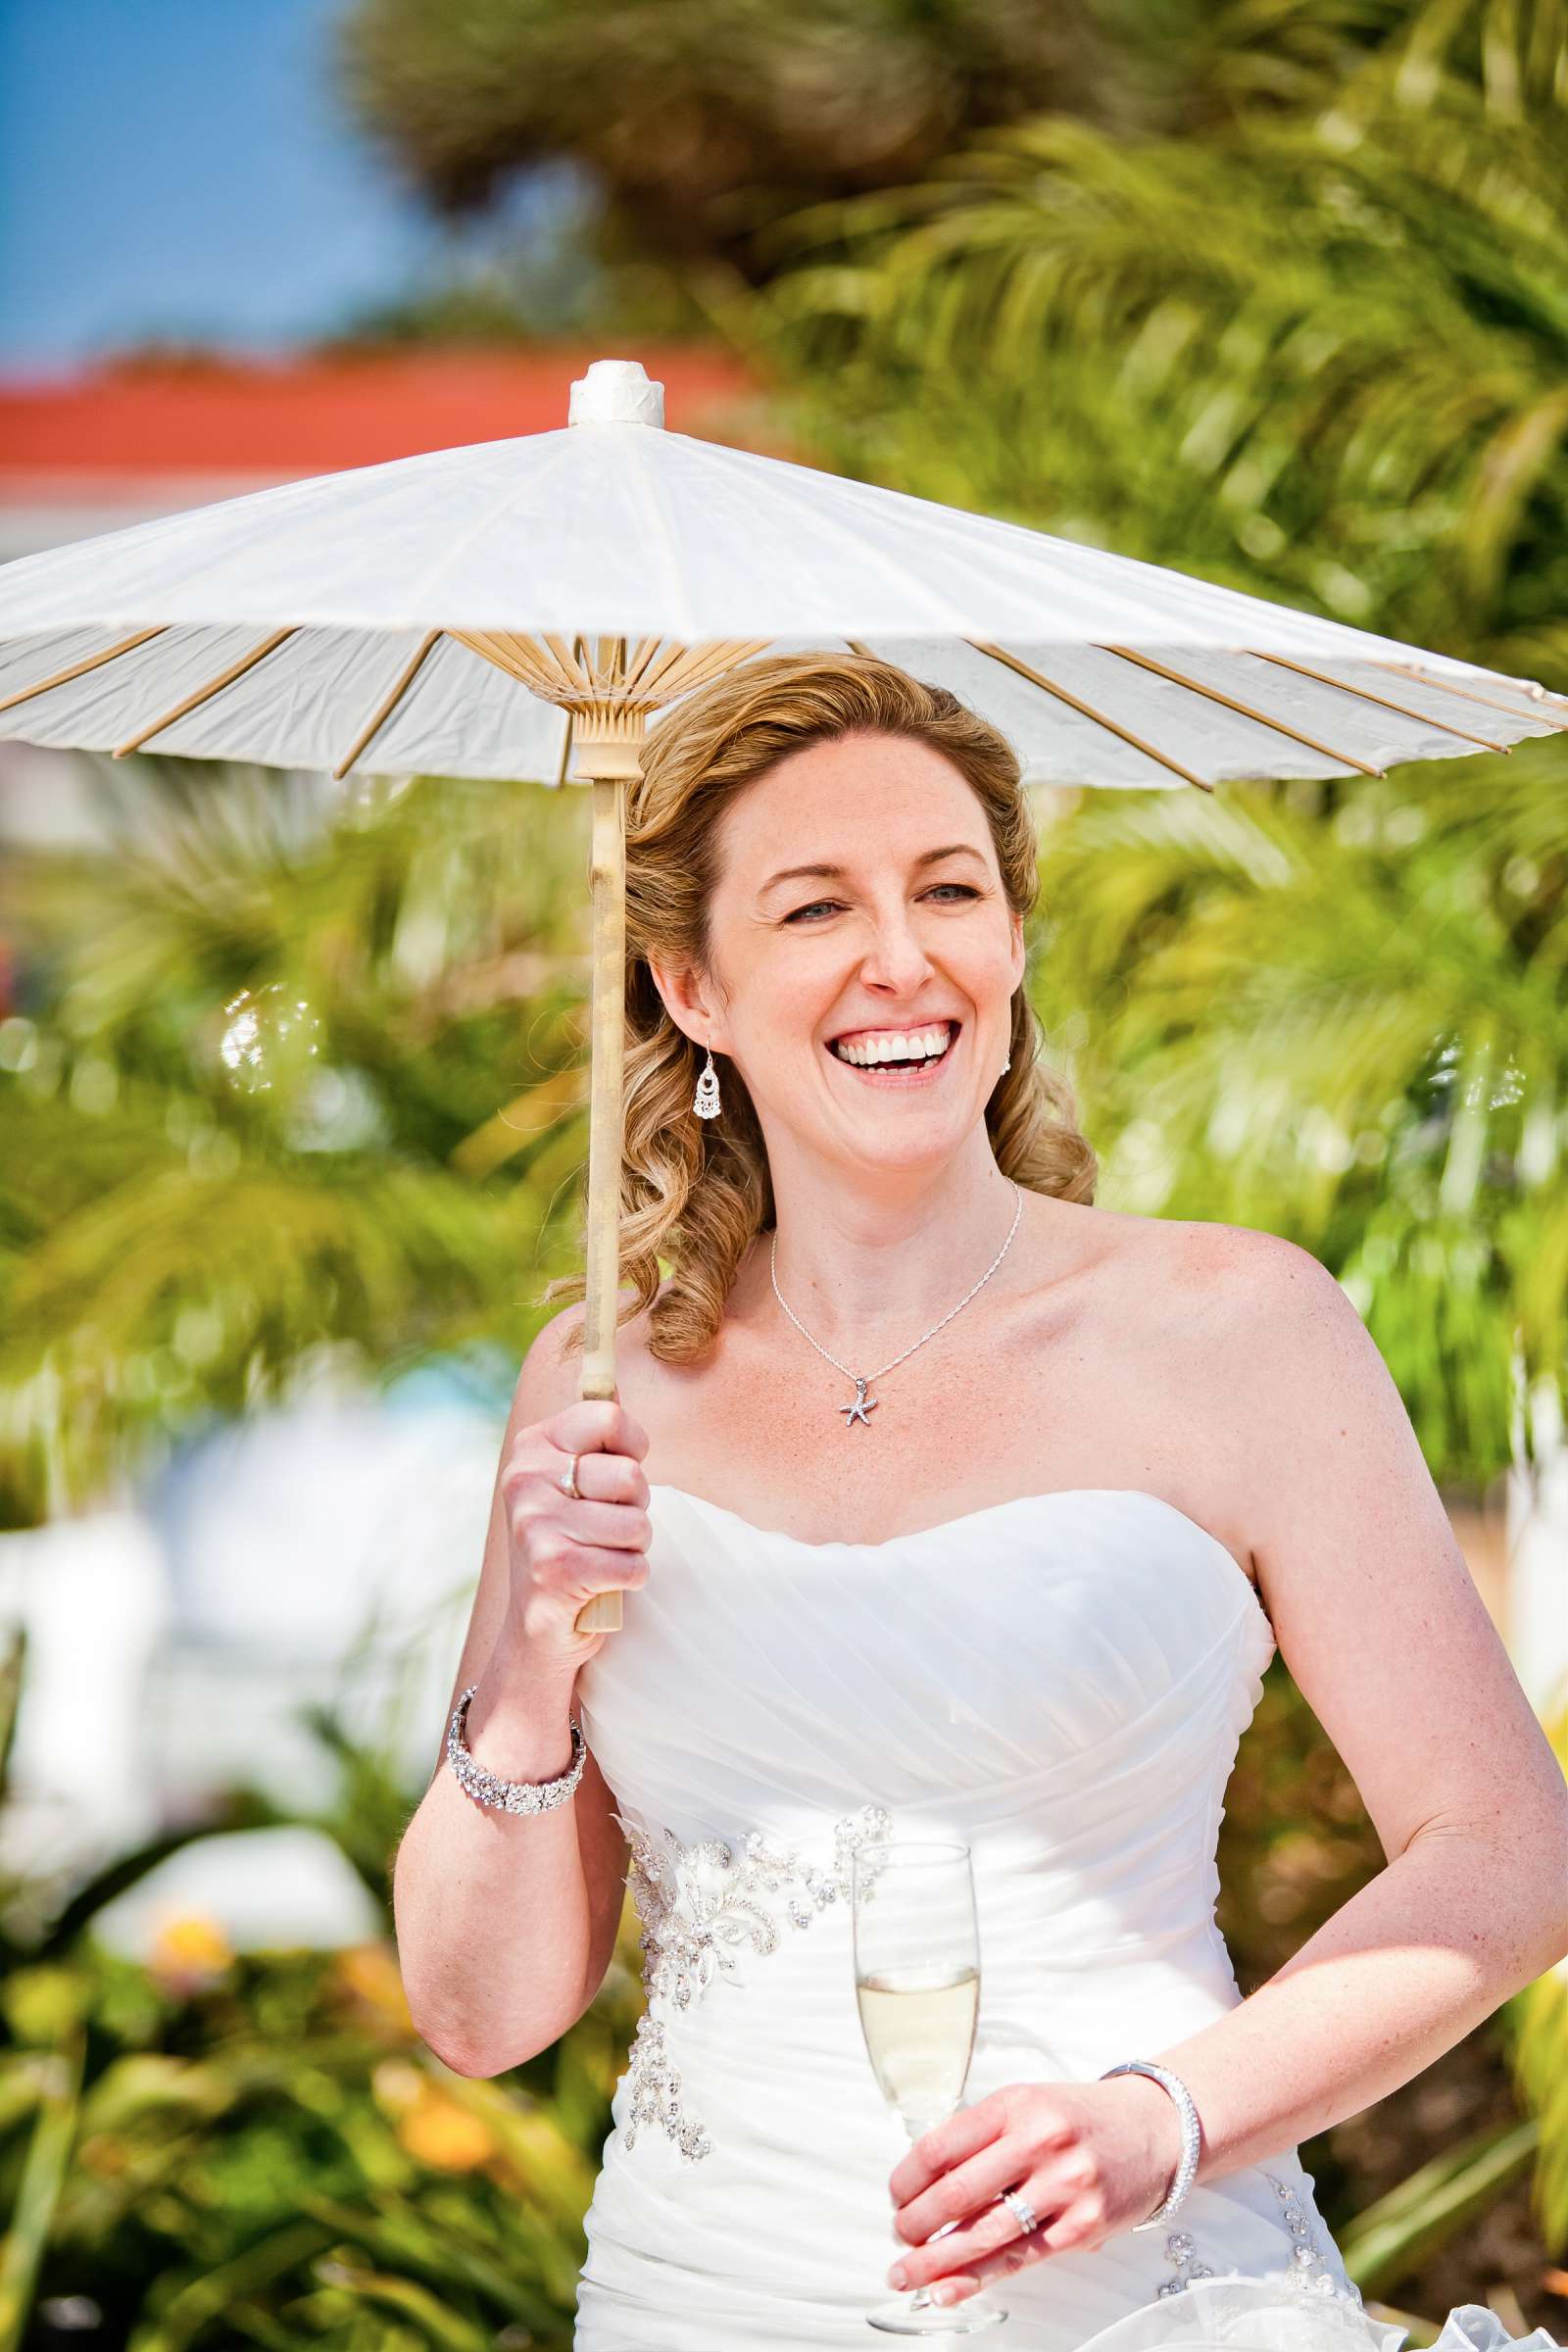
[980, 1511]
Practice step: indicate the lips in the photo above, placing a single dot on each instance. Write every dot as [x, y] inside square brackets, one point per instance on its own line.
[949, 1021]
[907, 1074]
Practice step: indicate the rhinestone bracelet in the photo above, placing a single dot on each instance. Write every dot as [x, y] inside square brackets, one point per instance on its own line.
[508, 1796]
[1182, 2179]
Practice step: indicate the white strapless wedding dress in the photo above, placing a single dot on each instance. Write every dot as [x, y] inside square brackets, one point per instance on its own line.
[1060, 1680]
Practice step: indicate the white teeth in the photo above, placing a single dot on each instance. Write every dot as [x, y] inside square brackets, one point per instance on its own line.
[896, 1046]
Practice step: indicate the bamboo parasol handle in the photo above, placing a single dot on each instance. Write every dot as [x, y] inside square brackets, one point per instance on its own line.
[609, 693]
[610, 730]
[608, 765]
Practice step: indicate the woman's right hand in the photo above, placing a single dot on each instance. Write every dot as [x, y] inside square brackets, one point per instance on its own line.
[563, 1551]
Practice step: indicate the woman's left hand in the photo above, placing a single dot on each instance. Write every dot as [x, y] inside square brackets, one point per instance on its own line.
[1092, 2159]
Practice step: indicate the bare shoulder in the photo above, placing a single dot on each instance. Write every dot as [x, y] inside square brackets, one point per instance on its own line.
[1243, 1274]
[1279, 1356]
[1219, 1274]
[551, 1375]
[1317, 1405]
[1247, 1255]
[1262, 1387]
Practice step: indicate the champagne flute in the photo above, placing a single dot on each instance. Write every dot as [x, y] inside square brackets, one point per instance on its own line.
[918, 1987]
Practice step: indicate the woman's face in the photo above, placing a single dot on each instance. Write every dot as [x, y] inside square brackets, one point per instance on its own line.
[896, 945]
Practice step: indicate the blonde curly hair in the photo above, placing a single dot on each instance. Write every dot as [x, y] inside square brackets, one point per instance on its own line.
[698, 1190]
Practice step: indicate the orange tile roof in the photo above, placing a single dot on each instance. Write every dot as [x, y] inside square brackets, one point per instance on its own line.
[141, 419]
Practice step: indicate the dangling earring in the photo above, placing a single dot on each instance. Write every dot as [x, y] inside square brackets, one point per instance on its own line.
[1007, 1064]
[705, 1100]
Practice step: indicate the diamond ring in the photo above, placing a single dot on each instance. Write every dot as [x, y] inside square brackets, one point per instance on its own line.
[1021, 2206]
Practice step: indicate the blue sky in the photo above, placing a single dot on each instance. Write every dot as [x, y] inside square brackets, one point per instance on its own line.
[181, 168]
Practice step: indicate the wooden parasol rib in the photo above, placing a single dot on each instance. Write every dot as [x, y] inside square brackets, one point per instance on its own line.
[518, 656]
[566, 747]
[569, 664]
[79, 670]
[1326, 678]
[1468, 694]
[638, 663]
[387, 705]
[204, 694]
[1212, 694]
[1112, 726]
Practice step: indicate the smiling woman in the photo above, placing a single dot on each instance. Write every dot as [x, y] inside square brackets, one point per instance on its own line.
[852, 749]
[1023, 1614]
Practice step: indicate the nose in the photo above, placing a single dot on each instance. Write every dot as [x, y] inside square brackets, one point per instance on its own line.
[894, 957]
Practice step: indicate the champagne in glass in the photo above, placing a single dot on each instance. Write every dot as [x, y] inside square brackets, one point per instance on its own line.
[917, 1985]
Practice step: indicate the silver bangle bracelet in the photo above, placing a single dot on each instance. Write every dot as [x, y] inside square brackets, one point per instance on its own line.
[508, 1796]
[1192, 2137]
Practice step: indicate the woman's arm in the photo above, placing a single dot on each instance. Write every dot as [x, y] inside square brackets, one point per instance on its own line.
[506, 1922]
[1309, 1449]
[1391, 1644]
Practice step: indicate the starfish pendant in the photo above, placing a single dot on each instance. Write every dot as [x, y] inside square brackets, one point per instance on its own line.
[862, 1408]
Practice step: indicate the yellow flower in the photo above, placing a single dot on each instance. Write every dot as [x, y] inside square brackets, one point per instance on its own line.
[441, 2133]
[189, 1947]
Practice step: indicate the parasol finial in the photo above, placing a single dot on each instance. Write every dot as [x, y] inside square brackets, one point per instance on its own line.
[616, 392]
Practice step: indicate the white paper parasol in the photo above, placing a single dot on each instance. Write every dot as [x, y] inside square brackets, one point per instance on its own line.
[489, 610]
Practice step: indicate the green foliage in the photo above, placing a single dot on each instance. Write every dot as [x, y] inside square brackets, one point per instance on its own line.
[54, 2084]
[1536, 2022]
[223, 2147]
[1387, 2242]
[257, 2149]
[699, 119]
[1313, 348]
[291, 1082]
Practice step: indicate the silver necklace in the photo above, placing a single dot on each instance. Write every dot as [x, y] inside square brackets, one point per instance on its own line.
[863, 1405]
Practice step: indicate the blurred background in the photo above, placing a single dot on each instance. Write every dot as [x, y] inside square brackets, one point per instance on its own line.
[293, 1128]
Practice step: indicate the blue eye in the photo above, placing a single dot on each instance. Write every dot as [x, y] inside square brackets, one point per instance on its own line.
[963, 888]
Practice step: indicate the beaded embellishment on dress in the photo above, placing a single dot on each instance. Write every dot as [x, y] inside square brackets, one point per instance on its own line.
[1309, 2271]
[1179, 2249]
[700, 1905]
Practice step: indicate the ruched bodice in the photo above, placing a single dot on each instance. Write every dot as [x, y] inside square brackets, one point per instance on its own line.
[1061, 1680]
